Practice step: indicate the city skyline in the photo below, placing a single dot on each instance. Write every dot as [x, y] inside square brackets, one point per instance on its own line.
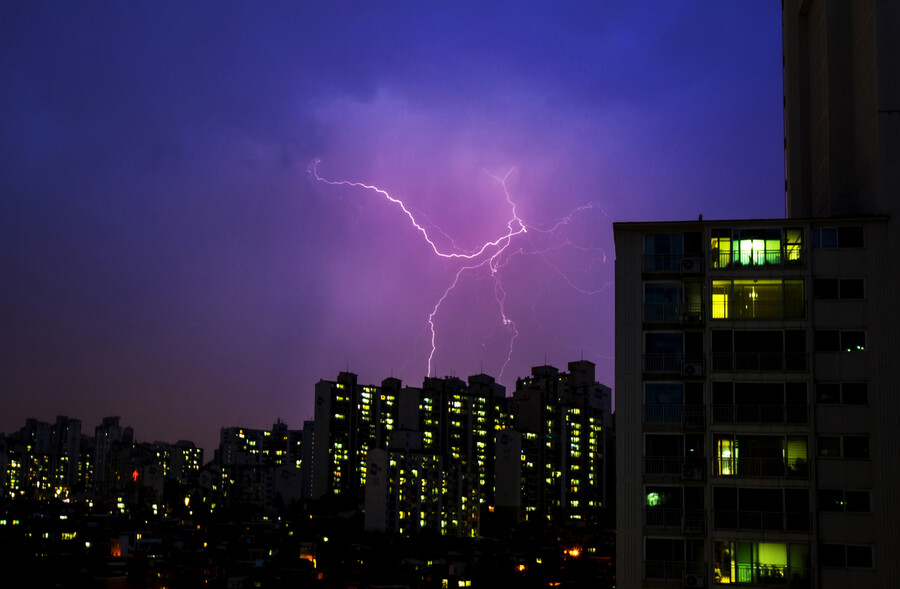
[170, 260]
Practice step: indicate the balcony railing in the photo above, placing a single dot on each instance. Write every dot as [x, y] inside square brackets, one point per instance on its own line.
[760, 414]
[672, 570]
[760, 258]
[663, 262]
[688, 520]
[761, 467]
[769, 574]
[761, 520]
[680, 364]
[759, 362]
[777, 309]
[691, 416]
[674, 313]
[688, 469]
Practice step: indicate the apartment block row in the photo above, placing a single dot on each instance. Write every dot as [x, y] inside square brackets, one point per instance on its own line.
[57, 461]
[444, 457]
[452, 454]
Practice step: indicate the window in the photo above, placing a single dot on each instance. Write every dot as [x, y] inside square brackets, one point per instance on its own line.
[760, 562]
[672, 301]
[843, 555]
[757, 299]
[757, 246]
[759, 402]
[840, 340]
[846, 393]
[663, 252]
[664, 558]
[853, 446]
[830, 237]
[856, 446]
[758, 350]
[838, 288]
[761, 509]
[760, 456]
[842, 500]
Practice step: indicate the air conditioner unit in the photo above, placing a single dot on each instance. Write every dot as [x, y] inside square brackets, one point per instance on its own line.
[691, 265]
[692, 369]
[694, 580]
[692, 472]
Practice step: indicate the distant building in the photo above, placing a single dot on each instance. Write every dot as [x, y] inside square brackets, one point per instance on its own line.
[564, 421]
[391, 442]
[259, 467]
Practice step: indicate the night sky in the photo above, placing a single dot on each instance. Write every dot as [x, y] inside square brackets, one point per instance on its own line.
[166, 255]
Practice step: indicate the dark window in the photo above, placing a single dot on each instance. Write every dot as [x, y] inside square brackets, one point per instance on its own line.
[852, 288]
[831, 500]
[795, 341]
[693, 241]
[839, 500]
[833, 555]
[838, 237]
[795, 393]
[828, 340]
[723, 393]
[853, 341]
[825, 237]
[660, 549]
[856, 446]
[826, 288]
[855, 393]
[857, 501]
[850, 236]
[828, 392]
[859, 556]
[830, 446]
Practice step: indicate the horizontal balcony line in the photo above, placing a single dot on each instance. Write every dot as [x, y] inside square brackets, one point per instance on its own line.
[760, 414]
[761, 467]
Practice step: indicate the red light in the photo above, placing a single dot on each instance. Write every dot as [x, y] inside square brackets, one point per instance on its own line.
[134, 475]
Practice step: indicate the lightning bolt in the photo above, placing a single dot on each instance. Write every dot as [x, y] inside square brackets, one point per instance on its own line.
[491, 253]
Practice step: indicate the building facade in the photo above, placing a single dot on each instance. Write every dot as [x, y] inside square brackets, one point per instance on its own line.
[749, 381]
[756, 360]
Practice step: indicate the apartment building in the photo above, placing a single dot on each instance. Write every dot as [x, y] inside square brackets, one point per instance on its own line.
[747, 375]
[564, 424]
[756, 360]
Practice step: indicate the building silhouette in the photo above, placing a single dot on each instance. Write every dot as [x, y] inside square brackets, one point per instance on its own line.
[756, 360]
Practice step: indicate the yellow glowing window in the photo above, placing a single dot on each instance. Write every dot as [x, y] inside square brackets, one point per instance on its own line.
[721, 248]
[726, 456]
[721, 292]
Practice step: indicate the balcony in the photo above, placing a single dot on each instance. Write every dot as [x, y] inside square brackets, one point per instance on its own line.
[762, 520]
[687, 416]
[690, 365]
[672, 570]
[759, 309]
[674, 313]
[759, 362]
[773, 574]
[762, 467]
[790, 257]
[690, 469]
[760, 414]
[691, 521]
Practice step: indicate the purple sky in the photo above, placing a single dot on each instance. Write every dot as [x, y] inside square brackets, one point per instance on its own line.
[165, 255]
